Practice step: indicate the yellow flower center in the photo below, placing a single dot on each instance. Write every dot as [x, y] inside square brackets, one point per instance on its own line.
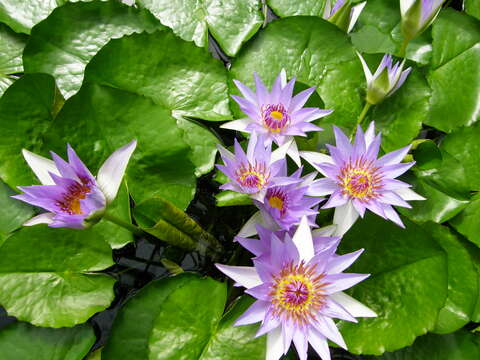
[277, 115]
[276, 202]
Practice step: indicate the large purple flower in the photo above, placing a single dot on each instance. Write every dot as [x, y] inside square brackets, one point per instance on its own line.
[276, 114]
[417, 15]
[70, 193]
[298, 292]
[257, 170]
[385, 81]
[358, 180]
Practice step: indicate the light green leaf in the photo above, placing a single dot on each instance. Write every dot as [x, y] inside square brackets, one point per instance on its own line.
[64, 43]
[21, 341]
[46, 275]
[472, 7]
[21, 16]
[11, 47]
[284, 8]
[121, 100]
[458, 346]
[317, 53]
[407, 287]
[181, 318]
[231, 22]
[455, 76]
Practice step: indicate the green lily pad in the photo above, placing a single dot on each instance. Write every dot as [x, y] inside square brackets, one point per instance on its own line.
[64, 43]
[466, 223]
[21, 16]
[181, 318]
[13, 213]
[461, 345]
[407, 287]
[462, 275]
[464, 146]
[21, 341]
[455, 77]
[47, 275]
[317, 53]
[11, 47]
[142, 98]
[472, 7]
[231, 22]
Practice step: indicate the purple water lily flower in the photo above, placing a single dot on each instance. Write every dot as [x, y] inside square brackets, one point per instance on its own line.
[385, 81]
[417, 15]
[343, 14]
[69, 192]
[298, 293]
[257, 170]
[276, 114]
[357, 180]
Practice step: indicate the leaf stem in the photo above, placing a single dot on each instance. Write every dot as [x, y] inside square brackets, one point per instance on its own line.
[130, 227]
[403, 48]
[362, 115]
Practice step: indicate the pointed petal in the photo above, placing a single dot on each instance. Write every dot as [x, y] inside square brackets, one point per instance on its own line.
[355, 14]
[354, 307]
[281, 151]
[255, 313]
[238, 125]
[45, 218]
[408, 194]
[394, 157]
[293, 153]
[392, 198]
[344, 217]
[337, 199]
[274, 344]
[325, 231]
[321, 187]
[342, 142]
[41, 167]
[301, 343]
[261, 90]
[319, 344]
[244, 275]
[327, 328]
[392, 171]
[246, 91]
[111, 173]
[340, 263]
[366, 70]
[391, 214]
[340, 282]
[303, 240]
[300, 99]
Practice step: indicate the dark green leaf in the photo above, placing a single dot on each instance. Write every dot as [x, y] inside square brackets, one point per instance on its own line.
[317, 53]
[64, 43]
[181, 318]
[459, 346]
[455, 79]
[231, 22]
[46, 275]
[21, 341]
[284, 8]
[13, 213]
[407, 287]
[472, 7]
[232, 198]
[467, 222]
[427, 155]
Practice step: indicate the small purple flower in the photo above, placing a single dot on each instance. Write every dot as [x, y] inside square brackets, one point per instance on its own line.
[257, 170]
[276, 114]
[387, 79]
[343, 14]
[417, 15]
[357, 180]
[298, 292]
[69, 192]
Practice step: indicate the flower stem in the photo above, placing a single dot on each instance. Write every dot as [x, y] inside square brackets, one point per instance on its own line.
[403, 48]
[364, 112]
[130, 227]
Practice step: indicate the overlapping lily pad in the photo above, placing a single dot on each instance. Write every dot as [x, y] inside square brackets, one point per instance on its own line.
[13, 213]
[136, 89]
[64, 43]
[27, 342]
[455, 75]
[407, 288]
[181, 318]
[47, 275]
[231, 22]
